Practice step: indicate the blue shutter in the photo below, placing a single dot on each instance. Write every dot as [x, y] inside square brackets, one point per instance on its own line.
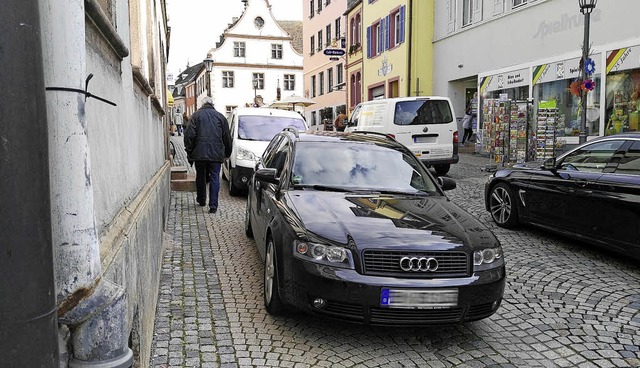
[387, 32]
[380, 37]
[369, 45]
[401, 26]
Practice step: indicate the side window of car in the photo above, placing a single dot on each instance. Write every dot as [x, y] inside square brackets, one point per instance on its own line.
[279, 157]
[629, 164]
[270, 151]
[593, 157]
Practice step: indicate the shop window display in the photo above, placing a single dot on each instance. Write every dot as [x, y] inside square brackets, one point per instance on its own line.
[622, 102]
[568, 107]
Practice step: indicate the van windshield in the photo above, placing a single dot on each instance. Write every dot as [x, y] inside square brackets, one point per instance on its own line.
[420, 112]
[263, 128]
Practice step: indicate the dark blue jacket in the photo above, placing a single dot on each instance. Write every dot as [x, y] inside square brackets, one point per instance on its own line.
[207, 137]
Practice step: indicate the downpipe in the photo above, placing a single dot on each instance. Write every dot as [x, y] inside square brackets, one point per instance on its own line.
[91, 310]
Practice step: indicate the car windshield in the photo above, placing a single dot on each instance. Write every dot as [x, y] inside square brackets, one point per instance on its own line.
[358, 166]
[421, 112]
[263, 128]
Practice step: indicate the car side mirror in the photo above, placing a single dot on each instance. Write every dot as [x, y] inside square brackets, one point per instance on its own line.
[446, 183]
[549, 164]
[267, 175]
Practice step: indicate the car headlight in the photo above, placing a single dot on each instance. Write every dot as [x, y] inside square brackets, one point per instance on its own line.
[245, 154]
[488, 258]
[324, 254]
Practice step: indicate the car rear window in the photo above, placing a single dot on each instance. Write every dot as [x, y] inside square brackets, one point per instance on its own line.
[264, 128]
[420, 112]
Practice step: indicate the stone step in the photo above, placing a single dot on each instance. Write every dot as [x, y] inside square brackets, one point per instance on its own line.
[188, 184]
[179, 172]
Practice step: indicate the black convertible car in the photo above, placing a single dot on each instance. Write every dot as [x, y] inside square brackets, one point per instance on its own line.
[591, 192]
[353, 226]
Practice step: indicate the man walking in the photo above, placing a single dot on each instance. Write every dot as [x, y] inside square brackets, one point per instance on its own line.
[208, 143]
[177, 118]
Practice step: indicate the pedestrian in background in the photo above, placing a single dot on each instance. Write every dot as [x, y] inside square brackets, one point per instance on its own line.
[467, 126]
[208, 143]
[341, 122]
[178, 120]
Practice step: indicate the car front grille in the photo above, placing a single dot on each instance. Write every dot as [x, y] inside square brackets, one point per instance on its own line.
[387, 263]
[383, 316]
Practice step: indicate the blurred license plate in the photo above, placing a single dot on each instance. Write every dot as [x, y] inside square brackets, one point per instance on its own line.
[415, 298]
[419, 139]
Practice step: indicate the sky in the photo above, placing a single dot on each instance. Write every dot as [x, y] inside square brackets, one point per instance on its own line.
[196, 26]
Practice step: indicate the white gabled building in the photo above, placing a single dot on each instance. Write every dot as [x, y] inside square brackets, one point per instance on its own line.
[256, 46]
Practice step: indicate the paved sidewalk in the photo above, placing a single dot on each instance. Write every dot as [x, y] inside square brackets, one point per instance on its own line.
[192, 327]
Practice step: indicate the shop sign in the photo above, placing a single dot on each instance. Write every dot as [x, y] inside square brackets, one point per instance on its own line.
[623, 59]
[564, 69]
[513, 79]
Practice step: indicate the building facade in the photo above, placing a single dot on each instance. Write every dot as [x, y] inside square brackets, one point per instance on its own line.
[390, 49]
[324, 60]
[530, 51]
[99, 93]
[353, 16]
[255, 48]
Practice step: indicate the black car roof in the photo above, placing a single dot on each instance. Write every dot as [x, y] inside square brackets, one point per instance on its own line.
[331, 136]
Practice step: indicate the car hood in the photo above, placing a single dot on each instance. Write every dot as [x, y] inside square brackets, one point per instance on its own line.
[389, 222]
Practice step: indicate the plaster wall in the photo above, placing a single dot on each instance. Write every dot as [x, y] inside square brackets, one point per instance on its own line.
[510, 38]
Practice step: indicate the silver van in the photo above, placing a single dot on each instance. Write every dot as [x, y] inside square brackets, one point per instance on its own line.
[425, 124]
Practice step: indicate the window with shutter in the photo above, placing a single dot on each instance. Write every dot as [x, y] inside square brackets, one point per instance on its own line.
[369, 43]
[477, 11]
[401, 26]
[387, 32]
[451, 15]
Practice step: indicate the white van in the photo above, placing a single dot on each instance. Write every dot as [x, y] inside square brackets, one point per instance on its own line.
[425, 124]
[251, 130]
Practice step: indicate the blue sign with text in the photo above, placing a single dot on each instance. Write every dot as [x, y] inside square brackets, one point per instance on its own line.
[336, 52]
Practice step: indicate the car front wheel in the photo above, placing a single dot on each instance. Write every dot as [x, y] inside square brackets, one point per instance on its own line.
[272, 301]
[503, 207]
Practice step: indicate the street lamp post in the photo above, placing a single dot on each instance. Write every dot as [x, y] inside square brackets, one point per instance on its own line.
[208, 64]
[255, 87]
[586, 7]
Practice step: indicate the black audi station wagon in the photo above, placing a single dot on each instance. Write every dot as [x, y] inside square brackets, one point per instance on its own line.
[353, 226]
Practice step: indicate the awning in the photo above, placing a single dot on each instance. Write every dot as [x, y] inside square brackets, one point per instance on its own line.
[169, 98]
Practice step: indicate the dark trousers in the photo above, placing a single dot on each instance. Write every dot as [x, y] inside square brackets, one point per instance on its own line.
[211, 170]
[468, 132]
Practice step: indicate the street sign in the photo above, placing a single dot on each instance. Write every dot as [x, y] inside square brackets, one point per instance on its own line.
[333, 58]
[336, 52]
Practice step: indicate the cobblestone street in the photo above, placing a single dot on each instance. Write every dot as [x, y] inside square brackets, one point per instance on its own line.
[566, 304]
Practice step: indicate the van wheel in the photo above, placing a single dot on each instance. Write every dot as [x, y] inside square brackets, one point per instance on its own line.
[233, 190]
[442, 169]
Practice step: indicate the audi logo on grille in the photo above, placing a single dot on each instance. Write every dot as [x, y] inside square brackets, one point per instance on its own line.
[418, 264]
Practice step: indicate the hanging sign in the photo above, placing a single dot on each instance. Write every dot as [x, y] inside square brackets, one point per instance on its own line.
[334, 52]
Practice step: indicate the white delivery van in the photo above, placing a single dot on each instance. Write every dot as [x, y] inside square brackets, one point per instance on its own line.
[251, 130]
[425, 124]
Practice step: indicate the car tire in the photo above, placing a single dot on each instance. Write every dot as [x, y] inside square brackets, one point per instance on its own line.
[503, 206]
[272, 302]
[248, 230]
[233, 189]
[442, 169]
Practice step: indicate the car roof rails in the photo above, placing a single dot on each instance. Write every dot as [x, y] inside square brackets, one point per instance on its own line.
[386, 135]
[293, 130]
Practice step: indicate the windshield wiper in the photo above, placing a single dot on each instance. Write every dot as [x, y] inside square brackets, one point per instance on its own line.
[418, 193]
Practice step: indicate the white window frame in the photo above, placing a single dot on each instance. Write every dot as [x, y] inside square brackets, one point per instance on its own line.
[276, 51]
[289, 82]
[228, 79]
[260, 78]
[239, 49]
